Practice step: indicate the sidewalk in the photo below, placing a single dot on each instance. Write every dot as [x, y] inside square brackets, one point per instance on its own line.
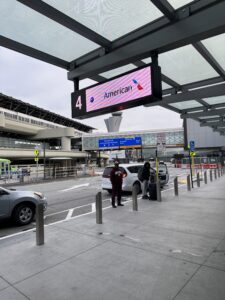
[169, 250]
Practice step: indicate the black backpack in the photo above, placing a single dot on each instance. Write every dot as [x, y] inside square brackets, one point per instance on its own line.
[140, 174]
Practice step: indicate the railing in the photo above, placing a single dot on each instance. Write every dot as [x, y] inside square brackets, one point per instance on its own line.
[37, 175]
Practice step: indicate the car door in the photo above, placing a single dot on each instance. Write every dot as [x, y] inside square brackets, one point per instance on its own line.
[4, 203]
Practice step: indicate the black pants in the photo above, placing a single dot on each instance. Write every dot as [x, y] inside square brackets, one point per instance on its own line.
[116, 191]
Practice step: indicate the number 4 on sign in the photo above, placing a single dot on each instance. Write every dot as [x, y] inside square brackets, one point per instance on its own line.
[79, 103]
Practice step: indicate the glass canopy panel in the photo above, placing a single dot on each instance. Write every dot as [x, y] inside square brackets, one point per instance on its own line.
[24, 25]
[109, 18]
[186, 104]
[185, 65]
[215, 45]
[215, 100]
[165, 86]
[178, 3]
[118, 71]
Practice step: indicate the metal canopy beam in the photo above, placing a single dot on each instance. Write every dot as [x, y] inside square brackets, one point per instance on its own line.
[165, 8]
[59, 17]
[12, 45]
[206, 92]
[197, 109]
[209, 58]
[200, 25]
[212, 112]
[219, 123]
[195, 85]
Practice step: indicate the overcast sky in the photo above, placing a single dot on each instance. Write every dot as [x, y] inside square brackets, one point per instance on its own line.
[46, 86]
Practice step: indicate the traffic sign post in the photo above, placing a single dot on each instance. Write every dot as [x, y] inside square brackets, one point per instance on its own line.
[192, 154]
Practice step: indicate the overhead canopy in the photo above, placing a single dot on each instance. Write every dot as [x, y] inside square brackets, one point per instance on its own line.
[100, 39]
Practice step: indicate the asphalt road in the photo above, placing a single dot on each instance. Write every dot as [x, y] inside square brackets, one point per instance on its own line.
[70, 198]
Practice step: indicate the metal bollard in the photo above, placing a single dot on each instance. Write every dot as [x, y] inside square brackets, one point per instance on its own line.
[210, 175]
[158, 191]
[218, 172]
[215, 174]
[176, 186]
[188, 183]
[40, 238]
[134, 197]
[205, 177]
[98, 206]
[198, 180]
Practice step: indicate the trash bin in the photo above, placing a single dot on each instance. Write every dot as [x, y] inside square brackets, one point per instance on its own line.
[152, 191]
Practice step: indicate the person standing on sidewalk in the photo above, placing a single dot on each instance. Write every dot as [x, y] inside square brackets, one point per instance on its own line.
[116, 178]
[145, 180]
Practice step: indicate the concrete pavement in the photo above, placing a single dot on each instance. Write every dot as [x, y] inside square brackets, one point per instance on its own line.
[169, 250]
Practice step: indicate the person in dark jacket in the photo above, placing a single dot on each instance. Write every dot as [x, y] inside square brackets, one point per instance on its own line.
[116, 178]
[145, 178]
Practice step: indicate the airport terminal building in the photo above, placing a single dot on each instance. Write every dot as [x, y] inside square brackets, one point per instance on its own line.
[25, 128]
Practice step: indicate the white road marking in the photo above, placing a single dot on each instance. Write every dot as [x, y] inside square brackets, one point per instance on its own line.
[72, 218]
[70, 213]
[75, 187]
[93, 207]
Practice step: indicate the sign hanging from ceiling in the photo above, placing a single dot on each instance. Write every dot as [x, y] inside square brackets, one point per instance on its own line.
[129, 90]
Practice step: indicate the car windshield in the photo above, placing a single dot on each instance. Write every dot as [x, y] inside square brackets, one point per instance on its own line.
[134, 169]
[162, 168]
[108, 170]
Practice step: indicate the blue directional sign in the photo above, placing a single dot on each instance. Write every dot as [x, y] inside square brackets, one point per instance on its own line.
[192, 146]
[108, 143]
[121, 143]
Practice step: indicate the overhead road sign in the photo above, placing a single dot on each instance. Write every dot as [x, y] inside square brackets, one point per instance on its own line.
[132, 89]
[36, 152]
[121, 143]
[192, 153]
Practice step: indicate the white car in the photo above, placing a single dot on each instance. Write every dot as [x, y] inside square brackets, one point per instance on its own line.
[130, 176]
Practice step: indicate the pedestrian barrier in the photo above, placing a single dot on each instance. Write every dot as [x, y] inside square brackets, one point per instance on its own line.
[210, 175]
[98, 206]
[198, 180]
[134, 197]
[158, 191]
[205, 177]
[189, 183]
[176, 186]
[40, 224]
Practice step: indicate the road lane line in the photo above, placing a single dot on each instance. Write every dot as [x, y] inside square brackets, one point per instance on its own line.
[75, 187]
[76, 207]
[69, 215]
[72, 218]
[93, 207]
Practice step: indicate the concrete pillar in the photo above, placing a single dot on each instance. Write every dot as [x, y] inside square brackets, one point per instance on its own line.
[66, 143]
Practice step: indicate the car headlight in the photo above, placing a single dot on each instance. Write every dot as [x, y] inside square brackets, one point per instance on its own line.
[40, 195]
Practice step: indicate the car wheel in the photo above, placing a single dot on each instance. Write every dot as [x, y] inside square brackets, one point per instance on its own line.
[137, 184]
[23, 214]
[109, 191]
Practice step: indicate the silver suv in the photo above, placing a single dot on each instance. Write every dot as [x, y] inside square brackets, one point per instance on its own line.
[19, 205]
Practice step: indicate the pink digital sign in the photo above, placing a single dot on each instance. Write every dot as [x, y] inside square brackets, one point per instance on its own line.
[126, 88]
